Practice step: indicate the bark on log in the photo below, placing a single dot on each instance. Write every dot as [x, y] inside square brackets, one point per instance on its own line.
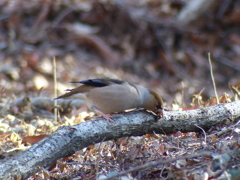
[67, 140]
[27, 107]
[43, 102]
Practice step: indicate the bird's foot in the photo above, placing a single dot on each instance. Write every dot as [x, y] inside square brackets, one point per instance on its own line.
[105, 116]
[160, 113]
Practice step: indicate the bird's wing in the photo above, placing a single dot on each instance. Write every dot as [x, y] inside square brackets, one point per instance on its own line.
[100, 82]
[88, 85]
[78, 90]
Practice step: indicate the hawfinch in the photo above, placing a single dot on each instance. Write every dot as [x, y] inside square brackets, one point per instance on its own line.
[106, 96]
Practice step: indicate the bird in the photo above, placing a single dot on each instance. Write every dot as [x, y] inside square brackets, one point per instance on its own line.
[107, 96]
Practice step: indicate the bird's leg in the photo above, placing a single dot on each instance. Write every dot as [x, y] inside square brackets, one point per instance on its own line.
[105, 116]
[160, 113]
[160, 110]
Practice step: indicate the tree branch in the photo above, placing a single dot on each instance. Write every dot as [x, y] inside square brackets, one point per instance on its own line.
[69, 139]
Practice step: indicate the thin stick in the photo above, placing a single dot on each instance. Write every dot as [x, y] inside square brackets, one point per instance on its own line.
[55, 88]
[205, 136]
[183, 87]
[213, 81]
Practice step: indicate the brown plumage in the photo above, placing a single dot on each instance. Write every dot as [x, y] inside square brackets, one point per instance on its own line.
[112, 95]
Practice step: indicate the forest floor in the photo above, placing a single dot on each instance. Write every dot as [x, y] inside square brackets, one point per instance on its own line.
[142, 42]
